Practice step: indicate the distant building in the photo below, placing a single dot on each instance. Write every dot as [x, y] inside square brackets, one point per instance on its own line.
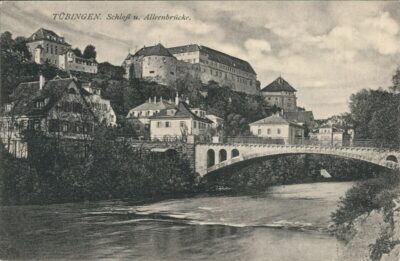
[331, 136]
[165, 65]
[300, 117]
[154, 63]
[46, 46]
[281, 94]
[217, 121]
[68, 61]
[217, 66]
[178, 123]
[277, 127]
[59, 108]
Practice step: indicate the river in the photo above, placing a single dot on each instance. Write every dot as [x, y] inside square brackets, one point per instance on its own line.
[283, 223]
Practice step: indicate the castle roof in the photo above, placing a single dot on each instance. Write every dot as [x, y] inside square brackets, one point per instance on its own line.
[156, 50]
[215, 56]
[48, 35]
[279, 85]
[275, 120]
[182, 111]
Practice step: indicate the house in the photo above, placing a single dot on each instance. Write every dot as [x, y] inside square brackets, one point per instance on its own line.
[154, 63]
[277, 127]
[68, 61]
[281, 94]
[148, 109]
[329, 135]
[46, 46]
[178, 123]
[59, 108]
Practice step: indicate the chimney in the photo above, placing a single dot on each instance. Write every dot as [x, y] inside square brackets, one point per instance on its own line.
[177, 99]
[42, 81]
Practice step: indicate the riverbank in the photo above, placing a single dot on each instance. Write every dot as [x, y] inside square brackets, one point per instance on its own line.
[368, 220]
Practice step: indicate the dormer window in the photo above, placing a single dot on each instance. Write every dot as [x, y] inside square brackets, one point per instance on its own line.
[171, 112]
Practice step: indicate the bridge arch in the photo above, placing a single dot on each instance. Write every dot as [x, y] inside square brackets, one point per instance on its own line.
[222, 155]
[392, 158]
[383, 157]
[235, 153]
[210, 158]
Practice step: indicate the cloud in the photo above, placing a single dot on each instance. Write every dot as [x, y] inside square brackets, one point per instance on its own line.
[326, 50]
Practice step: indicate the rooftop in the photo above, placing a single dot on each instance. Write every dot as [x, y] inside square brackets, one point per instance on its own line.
[45, 34]
[279, 85]
[215, 56]
[181, 111]
[275, 119]
[299, 116]
[155, 50]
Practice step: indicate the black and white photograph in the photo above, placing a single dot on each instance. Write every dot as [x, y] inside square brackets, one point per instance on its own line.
[200, 130]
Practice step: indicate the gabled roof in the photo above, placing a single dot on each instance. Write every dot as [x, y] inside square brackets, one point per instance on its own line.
[275, 120]
[299, 116]
[182, 111]
[160, 105]
[27, 94]
[156, 50]
[215, 56]
[279, 85]
[44, 34]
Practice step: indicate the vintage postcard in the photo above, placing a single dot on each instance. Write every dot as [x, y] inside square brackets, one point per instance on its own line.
[177, 130]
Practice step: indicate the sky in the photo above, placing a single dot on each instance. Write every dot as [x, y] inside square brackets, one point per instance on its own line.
[326, 50]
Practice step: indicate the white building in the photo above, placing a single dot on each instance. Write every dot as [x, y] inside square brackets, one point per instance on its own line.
[148, 109]
[178, 123]
[277, 127]
[46, 46]
[332, 136]
[68, 61]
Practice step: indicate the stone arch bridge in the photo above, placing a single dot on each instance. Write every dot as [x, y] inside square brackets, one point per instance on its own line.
[211, 157]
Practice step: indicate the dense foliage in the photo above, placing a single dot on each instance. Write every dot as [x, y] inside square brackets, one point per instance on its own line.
[110, 170]
[376, 115]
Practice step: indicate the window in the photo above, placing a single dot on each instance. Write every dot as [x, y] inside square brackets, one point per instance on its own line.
[151, 72]
[278, 131]
[194, 124]
[182, 124]
[259, 131]
[167, 124]
[172, 73]
[269, 131]
[158, 124]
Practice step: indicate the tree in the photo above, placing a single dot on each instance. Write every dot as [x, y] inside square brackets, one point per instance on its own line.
[89, 52]
[396, 81]
[6, 40]
[77, 52]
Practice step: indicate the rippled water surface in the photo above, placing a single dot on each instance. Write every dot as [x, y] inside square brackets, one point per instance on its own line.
[285, 223]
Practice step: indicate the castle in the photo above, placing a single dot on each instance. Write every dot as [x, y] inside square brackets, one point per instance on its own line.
[165, 65]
